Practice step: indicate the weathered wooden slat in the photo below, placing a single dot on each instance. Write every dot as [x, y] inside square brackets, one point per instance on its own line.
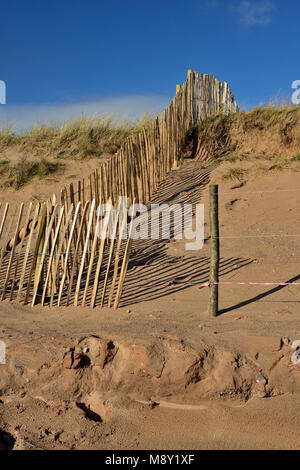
[77, 290]
[29, 241]
[124, 265]
[40, 231]
[47, 236]
[122, 229]
[70, 241]
[91, 261]
[4, 249]
[81, 229]
[100, 255]
[62, 244]
[111, 250]
[54, 241]
[20, 249]
[12, 253]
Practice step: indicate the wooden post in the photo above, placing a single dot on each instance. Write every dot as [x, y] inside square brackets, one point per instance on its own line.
[215, 250]
[41, 230]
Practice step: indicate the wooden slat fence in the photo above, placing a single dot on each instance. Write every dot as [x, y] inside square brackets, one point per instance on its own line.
[55, 253]
[144, 160]
[39, 265]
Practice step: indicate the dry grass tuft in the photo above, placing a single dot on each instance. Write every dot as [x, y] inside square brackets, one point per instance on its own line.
[18, 174]
[235, 173]
[268, 132]
[82, 138]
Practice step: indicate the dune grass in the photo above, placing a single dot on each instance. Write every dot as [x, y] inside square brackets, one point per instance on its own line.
[82, 138]
[223, 135]
[44, 147]
[18, 174]
[255, 142]
[235, 173]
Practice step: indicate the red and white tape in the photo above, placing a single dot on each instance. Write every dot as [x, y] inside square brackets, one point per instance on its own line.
[248, 283]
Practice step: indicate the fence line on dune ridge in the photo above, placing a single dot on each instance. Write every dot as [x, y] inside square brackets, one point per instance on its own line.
[146, 157]
[52, 253]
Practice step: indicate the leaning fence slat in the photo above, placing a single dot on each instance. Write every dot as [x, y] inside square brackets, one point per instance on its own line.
[59, 252]
[91, 261]
[32, 228]
[111, 250]
[52, 253]
[101, 252]
[124, 265]
[12, 253]
[116, 261]
[40, 231]
[25, 228]
[42, 227]
[72, 231]
[6, 241]
[41, 265]
[84, 252]
[82, 224]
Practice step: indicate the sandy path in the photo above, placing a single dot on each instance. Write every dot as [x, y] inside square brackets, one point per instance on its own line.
[164, 302]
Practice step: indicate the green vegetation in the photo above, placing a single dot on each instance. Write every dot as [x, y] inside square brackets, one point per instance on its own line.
[266, 117]
[236, 173]
[262, 133]
[267, 137]
[18, 174]
[82, 138]
[254, 142]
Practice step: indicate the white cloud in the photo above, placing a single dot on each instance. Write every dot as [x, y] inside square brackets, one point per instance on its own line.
[255, 13]
[24, 117]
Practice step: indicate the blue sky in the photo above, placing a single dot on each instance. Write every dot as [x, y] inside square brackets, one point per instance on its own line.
[62, 58]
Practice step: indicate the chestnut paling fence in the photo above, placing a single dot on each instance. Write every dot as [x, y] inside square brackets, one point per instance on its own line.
[58, 253]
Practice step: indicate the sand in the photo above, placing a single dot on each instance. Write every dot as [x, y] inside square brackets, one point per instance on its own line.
[159, 373]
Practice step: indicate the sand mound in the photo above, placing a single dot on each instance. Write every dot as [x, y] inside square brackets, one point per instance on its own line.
[86, 390]
[155, 369]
